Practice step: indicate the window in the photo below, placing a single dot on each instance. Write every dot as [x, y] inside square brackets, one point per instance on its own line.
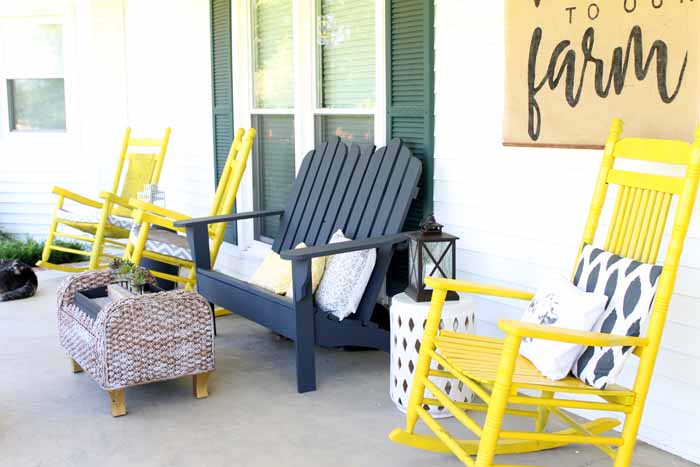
[314, 73]
[273, 108]
[345, 70]
[32, 67]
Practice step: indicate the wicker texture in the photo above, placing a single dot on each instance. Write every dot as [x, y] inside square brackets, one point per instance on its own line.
[136, 340]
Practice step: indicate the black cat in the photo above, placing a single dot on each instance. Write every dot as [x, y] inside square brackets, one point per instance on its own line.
[17, 280]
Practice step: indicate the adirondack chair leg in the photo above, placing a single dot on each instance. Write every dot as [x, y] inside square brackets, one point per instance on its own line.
[305, 339]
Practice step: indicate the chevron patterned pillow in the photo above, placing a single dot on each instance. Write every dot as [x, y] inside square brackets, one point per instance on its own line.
[630, 287]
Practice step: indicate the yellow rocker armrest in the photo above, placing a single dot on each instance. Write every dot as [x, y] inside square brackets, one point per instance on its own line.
[57, 190]
[552, 333]
[478, 289]
[112, 198]
[141, 217]
[152, 208]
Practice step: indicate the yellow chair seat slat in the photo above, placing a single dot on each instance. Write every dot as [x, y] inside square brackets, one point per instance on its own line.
[478, 358]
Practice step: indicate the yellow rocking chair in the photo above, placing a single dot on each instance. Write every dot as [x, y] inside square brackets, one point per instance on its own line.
[495, 371]
[165, 245]
[108, 220]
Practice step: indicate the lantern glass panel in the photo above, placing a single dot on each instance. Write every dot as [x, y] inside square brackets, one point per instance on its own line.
[414, 275]
[432, 252]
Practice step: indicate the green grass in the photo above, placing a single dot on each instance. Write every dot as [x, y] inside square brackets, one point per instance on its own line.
[29, 250]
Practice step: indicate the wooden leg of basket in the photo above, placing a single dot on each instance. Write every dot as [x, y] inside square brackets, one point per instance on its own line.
[199, 385]
[118, 404]
[75, 367]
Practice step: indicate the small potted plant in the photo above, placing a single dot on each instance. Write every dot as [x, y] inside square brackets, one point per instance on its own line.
[138, 280]
[122, 270]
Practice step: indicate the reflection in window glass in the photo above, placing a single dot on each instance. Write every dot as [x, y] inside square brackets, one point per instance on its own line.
[350, 128]
[36, 104]
[274, 154]
[346, 39]
[32, 50]
[272, 54]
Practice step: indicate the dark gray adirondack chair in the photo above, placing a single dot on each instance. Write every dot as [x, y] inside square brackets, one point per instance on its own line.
[365, 193]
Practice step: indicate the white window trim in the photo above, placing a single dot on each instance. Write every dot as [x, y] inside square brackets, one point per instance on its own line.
[70, 103]
[305, 97]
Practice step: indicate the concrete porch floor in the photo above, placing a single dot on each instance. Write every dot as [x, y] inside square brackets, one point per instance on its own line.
[253, 416]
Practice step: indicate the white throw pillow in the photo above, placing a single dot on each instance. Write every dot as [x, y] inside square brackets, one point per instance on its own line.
[559, 303]
[344, 282]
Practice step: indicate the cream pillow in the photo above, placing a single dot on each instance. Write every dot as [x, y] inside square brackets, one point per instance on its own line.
[318, 265]
[559, 303]
[274, 274]
[345, 280]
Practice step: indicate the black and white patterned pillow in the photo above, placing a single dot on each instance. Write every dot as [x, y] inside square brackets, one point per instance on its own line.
[630, 287]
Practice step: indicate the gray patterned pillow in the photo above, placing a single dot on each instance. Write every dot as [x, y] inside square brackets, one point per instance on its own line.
[345, 279]
[630, 287]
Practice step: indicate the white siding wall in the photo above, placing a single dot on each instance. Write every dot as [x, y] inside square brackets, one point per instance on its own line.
[34, 162]
[169, 84]
[168, 56]
[520, 212]
[143, 64]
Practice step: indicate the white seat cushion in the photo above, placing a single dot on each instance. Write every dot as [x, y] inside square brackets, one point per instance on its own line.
[93, 217]
[165, 243]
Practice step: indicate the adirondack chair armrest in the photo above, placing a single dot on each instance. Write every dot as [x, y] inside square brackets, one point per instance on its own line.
[160, 211]
[478, 289]
[57, 190]
[115, 199]
[571, 336]
[228, 218]
[301, 254]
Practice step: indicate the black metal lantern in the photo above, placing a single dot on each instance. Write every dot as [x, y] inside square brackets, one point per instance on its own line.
[433, 253]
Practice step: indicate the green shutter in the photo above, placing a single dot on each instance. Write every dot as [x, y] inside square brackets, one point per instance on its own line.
[347, 53]
[222, 89]
[410, 104]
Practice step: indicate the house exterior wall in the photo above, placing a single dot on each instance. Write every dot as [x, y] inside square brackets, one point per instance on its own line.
[169, 84]
[32, 163]
[520, 213]
[142, 64]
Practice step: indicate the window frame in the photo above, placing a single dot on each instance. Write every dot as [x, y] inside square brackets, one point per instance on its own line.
[306, 109]
[7, 76]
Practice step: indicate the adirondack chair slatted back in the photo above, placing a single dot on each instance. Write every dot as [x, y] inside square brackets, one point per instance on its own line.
[642, 207]
[366, 193]
[143, 167]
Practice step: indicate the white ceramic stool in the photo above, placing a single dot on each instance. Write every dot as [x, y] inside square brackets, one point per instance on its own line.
[407, 323]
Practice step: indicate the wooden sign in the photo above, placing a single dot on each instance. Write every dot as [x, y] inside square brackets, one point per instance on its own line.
[572, 66]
